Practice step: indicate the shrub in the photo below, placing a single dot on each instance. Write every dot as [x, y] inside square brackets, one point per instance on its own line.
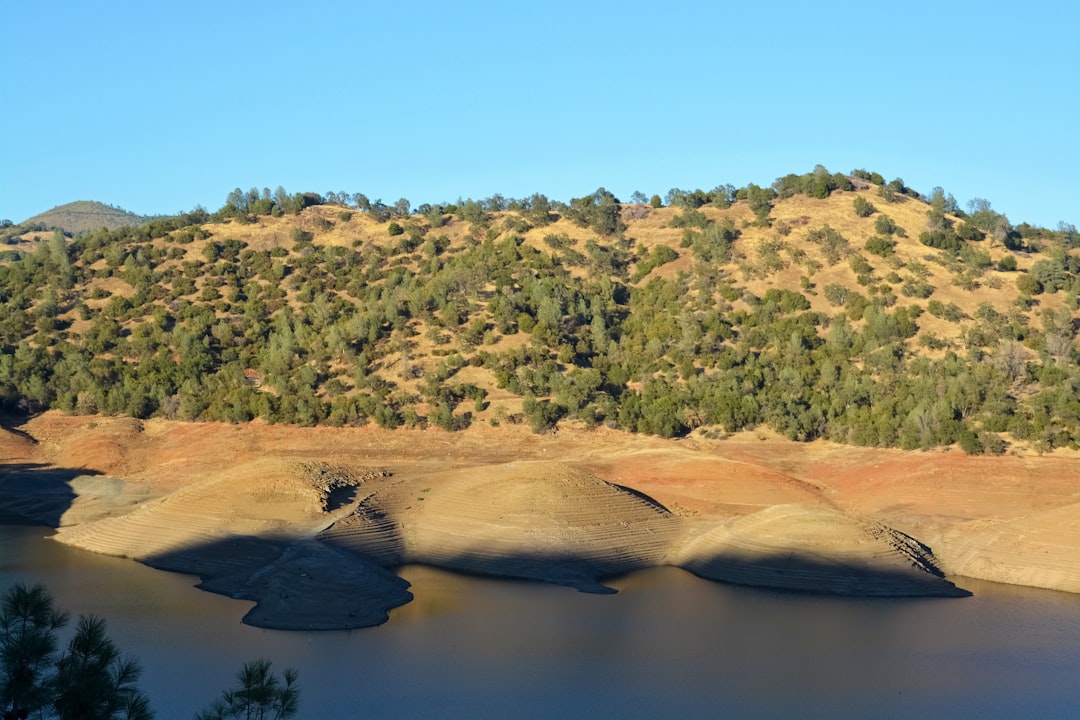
[950, 312]
[941, 239]
[1028, 285]
[660, 255]
[992, 443]
[882, 247]
[917, 287]
[863, 207]
[541, 415]
[689, 218]
[970, 443]
[884, 225]
[834, 246]
[395, 229]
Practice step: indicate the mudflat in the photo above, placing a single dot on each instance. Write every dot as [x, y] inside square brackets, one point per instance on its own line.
[308, 521]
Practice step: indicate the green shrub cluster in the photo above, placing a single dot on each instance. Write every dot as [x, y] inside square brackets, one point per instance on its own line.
[315, 334]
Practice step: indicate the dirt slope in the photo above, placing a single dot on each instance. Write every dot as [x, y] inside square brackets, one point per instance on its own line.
[257, 509]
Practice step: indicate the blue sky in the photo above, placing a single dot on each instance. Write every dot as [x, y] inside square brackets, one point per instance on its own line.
[158, 108]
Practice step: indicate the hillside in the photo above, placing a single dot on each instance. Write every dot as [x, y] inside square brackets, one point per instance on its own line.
[827, 306]
[83, 216]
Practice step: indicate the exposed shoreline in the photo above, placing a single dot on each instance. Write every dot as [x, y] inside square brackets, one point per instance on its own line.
[306, 521]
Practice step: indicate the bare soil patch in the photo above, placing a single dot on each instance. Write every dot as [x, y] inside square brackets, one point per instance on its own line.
[241, 506]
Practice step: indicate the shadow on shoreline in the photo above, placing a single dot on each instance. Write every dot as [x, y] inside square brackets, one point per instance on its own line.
[296, 584]
[797, 573]
[37, 493]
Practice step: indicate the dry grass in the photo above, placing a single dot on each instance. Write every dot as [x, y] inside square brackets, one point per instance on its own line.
[791, 220]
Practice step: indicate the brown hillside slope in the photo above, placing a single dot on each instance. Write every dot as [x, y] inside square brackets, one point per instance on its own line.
[84, 216]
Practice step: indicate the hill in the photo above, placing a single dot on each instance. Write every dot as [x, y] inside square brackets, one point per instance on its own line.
[83, 216]
[826, 306]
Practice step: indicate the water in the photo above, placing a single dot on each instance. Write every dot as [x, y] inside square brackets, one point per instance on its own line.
[668, 645]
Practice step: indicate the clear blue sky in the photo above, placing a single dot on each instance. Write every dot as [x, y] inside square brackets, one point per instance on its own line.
[159, 107]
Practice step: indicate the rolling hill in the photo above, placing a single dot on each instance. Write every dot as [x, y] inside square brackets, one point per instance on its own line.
[826, 306]
[83, 216]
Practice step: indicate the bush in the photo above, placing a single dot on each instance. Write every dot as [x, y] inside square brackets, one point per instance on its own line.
[863, 207]
[885, 225]
[300, 238]
[950, 312]
[942, 240]
[834, 246]
[967, 231]
[689, 218]
[542, 415]
[1007, 264]
[992, 443]
[1028, 285]
[917, 287]
[970, 443]
[395, 229]
[660, 255]
[882, 247]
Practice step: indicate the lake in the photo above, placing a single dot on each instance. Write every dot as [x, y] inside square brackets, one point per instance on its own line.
[667, 645]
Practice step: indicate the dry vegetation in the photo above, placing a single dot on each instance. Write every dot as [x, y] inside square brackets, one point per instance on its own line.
[816, 312]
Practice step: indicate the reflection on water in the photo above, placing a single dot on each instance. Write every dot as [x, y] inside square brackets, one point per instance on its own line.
[668, 644]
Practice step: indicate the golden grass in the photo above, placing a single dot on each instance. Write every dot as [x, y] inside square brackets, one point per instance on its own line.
[791, 221]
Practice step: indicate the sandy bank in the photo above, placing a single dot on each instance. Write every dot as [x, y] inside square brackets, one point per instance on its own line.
[816, 549]
[285, 516]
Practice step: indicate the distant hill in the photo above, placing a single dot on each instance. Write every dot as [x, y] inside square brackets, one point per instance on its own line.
[84, 216]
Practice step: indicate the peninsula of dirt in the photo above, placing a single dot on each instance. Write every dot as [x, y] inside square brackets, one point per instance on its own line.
[309, 523]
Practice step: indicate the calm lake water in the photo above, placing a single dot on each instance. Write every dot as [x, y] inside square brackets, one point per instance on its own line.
[667, 645]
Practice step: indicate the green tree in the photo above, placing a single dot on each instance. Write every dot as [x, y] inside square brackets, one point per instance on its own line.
[540, 210]
[94, 682]
[599, 211]
[760, 200]
[90, 680]
[261, 695]
[27, 635]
